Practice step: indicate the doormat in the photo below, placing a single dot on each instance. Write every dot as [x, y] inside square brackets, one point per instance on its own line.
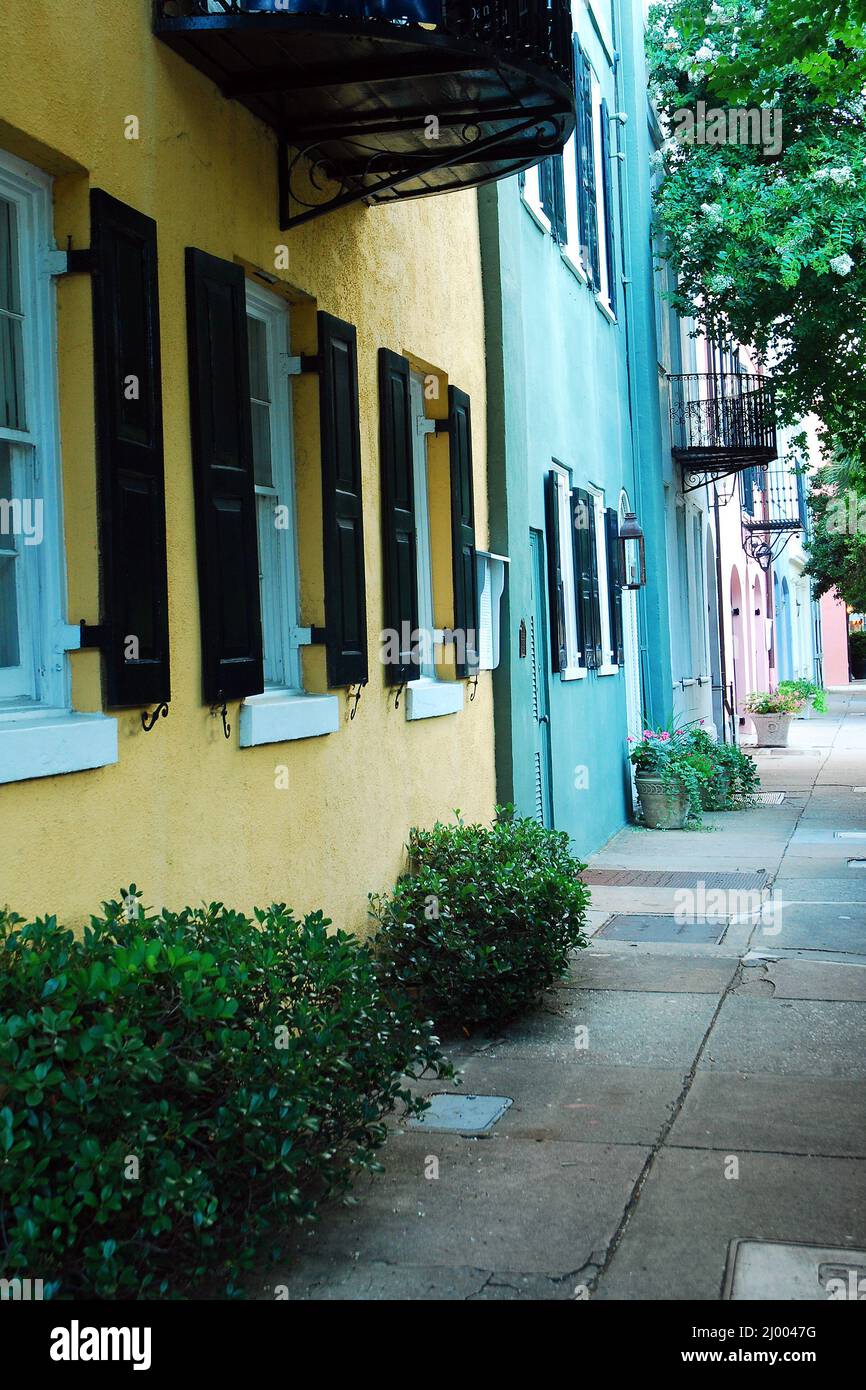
[674, 878]
[650, 926]
[452, 1114]
[770, 1270]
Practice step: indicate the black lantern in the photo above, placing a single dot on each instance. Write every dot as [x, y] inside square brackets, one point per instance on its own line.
[632, 557]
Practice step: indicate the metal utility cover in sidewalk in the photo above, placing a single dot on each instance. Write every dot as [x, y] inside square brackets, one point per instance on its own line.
[454, 1114]
[674, 878]
[770, 1270]
[649, 926]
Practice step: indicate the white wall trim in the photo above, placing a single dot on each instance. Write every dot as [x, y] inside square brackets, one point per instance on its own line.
[50, 742]
[426, 699]
[278, 716]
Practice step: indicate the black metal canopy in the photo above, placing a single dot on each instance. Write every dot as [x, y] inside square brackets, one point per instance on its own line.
[721, 423]
[378, 100]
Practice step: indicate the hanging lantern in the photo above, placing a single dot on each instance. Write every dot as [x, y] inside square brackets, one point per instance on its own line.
[632, 557]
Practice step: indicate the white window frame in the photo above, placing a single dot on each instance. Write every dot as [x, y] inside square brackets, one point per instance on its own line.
[574, 669]
[603, 292]
[609, 666]
[284, 710]
[40, 735]
[427, 696]
[531, 195]
[571, 250]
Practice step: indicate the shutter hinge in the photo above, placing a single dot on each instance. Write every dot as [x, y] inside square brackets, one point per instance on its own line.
[443, 426]
[309, 363]
[68, 262]
[425, 425]
[289, 365]
[300, 636]
[93, 635]
[318, 636]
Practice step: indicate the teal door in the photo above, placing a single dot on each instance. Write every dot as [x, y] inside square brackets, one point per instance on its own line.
[542, 770]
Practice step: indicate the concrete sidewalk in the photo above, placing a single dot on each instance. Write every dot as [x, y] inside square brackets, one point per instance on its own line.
[671, 1096]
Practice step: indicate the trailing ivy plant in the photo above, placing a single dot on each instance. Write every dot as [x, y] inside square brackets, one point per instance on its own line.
[735, 781]
[667, 754]
[485, 918]
[178, 1089]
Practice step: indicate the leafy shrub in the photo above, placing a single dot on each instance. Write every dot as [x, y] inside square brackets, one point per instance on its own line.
[176, 1089]
[484, 920]
[734, 780]
[668, 753]
[808, 692]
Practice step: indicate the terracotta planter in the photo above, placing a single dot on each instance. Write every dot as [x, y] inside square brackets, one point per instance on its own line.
[661, 810]
[772, 729]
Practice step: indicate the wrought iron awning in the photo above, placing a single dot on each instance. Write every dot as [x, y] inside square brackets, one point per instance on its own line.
[772, 510]
[721, 423]
[378, 100]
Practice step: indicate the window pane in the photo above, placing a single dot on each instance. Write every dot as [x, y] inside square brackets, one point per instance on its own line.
[260, 395]
[9, 644]
[10, 290]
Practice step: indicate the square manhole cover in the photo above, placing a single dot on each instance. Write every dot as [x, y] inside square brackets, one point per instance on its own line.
[454, 1114]
[764, 1269]
[650, 926]
[769, 798]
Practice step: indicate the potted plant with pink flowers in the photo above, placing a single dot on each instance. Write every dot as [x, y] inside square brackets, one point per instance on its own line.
[671, 778]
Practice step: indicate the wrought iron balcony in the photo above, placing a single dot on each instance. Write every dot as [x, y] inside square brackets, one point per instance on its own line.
[377, 100]
[722, 422]
[773, 509]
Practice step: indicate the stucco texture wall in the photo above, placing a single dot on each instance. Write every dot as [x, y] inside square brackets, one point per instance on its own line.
[186, 814]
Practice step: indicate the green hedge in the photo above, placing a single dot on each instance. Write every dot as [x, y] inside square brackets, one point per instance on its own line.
[485, 919]
[177, 1090]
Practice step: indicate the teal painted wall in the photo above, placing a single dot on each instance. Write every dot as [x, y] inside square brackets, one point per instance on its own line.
[568, 386]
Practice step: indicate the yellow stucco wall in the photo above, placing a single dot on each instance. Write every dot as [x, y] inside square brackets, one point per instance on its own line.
[186, 814]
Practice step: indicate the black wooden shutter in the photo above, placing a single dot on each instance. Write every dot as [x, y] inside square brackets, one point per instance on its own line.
[228, 560]
[398, 518]
[583, 523]
[607, 194]
[342, 503]
[614, 584]
[130, 451]
[596, 593]
[586, 168]
[463, 529]
[551, 183]
[555, 586]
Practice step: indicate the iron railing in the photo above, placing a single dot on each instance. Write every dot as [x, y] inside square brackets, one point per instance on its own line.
[771, 499]
[722, 418]
[537, 31]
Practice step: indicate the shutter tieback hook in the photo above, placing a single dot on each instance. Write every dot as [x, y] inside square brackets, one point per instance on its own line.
[222, 711]
[356, 695]
[400, 688]
[148, 721]
[474, 688]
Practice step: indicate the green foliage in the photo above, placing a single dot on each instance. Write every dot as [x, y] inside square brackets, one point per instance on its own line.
[769, 247]
[857, 646]
[837, 546]
[177, 1090]
[808, 692]
[735, 780]
[485, 919]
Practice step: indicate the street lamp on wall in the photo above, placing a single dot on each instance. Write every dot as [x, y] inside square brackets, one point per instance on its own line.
[632, 553]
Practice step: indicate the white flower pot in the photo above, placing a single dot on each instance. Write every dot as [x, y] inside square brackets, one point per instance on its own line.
[772, 729]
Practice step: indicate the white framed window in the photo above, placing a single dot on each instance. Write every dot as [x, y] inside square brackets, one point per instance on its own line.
[571, 250]
[284, 711]
[490, 579]
[39, 734]
[574, 669]
[609, 666]
[530, 192]
[426, 696]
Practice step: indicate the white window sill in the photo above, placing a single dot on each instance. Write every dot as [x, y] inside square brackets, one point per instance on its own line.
[538, 217]
[573, 673]
[609, 670]
[574, 266]
[277, 716]
[426, 698]
[605, 309]
[49, 742]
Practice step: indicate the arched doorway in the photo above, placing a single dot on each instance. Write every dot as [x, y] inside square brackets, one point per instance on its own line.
[712, 592]
[759, 630]
[738, 641]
